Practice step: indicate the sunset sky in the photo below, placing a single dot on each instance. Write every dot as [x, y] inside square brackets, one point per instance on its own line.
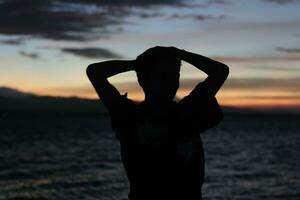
[45, 46]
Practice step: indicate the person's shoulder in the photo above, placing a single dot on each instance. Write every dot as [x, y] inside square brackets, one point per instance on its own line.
[122, 116]
[123, 106]
[127, 100]
[200, 105]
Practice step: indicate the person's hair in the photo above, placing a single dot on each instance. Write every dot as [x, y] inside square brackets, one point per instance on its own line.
[152, 61]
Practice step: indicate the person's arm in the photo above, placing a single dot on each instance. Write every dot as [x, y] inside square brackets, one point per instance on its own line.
[98, 73]
[200, 109]
[217, 72]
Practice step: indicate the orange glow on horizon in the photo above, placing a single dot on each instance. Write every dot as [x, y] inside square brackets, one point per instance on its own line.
[267, 103]
[225, 98]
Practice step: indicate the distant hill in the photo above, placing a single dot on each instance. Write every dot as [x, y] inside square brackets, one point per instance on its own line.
[17, 103]
[13, 93]
[14, 103]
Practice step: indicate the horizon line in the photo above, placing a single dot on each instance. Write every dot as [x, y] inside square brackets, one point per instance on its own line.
[239, 104]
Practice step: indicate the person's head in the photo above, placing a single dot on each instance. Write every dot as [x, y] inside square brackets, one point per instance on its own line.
[158, 74]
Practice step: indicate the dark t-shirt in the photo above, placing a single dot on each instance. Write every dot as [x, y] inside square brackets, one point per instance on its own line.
[162, 152]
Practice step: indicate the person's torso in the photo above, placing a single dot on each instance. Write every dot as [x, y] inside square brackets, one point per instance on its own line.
[155, 153]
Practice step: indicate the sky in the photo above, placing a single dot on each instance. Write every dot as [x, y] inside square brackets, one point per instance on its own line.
[45, 46]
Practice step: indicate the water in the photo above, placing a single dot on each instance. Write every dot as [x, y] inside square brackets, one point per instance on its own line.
[247, 157]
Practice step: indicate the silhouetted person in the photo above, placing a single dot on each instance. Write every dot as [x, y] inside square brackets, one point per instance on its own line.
[161, 147]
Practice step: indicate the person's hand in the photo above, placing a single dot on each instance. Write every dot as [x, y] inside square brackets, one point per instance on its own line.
[165, 50]
[157, 52]
[133, 64]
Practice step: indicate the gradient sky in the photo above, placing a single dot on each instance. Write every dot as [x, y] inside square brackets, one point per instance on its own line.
[45, 46]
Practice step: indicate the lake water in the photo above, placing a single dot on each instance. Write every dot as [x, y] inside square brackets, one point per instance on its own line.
[247, 157]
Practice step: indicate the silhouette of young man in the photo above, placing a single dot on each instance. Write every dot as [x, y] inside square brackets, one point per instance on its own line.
[161, 148]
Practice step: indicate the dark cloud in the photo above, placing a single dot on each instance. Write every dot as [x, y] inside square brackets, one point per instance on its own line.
[288, 50]
[91, 52]
[195, 16]
[29, 55]
[281, 1]
[149, 15]
[77, 20]
[68, 19]
[130, 2]
[222, 2]
[205, 4]
[45, 19]
[11, 42]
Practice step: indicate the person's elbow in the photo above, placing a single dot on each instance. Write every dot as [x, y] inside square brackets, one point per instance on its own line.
[223, 71]
[90, 70]
[93, 71]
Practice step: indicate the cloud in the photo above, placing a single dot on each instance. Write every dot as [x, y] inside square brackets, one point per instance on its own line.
[12, 42]
[29, 55]
[288, 50]
[255, 84]
[91, 52]
[240, 59]
[198, 17]
[270, 83]
[284, 97]
[280, 1]
[145, 15]
[77, 20]
[68, 19]
[273, 68]
[44, 19]
[222, 2]
[265, 62]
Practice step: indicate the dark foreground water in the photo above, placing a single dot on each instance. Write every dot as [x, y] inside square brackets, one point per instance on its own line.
[247, 157]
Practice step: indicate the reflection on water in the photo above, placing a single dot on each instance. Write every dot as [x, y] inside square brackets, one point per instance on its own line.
[247, 157]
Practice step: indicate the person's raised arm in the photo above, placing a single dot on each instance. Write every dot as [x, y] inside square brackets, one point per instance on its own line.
[98, 73]
[217, 72]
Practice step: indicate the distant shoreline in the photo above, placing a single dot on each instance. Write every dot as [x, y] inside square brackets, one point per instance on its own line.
[14, 103]
[241, 115]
